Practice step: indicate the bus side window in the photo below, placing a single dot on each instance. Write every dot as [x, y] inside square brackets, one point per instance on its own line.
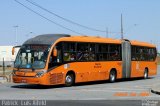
[83, 52]
[115, 52]
[69, 51]
[79, 55]
[55, 56]
[92, 52]
[66, 56]
[59, 53]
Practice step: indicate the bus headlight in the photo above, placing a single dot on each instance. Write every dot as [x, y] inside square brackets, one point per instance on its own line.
[39, 74]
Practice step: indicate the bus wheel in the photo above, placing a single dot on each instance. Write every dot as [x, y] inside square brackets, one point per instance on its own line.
[145, 74]
[112, 76]
[69, 80]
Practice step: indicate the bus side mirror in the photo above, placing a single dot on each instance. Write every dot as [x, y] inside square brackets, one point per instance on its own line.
[13, 49]
[55, 52]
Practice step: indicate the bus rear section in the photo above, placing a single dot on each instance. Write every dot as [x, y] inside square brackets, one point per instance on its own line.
[138, 59]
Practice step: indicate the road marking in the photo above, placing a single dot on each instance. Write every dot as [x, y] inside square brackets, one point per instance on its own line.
[120, 98]
[107, 90]
[94, 98]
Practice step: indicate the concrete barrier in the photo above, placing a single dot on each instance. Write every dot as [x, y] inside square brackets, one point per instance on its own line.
[3, 79]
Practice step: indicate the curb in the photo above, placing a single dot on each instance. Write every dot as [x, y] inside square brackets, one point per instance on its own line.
[155, 91]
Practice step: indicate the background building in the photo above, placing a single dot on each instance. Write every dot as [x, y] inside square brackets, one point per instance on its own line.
[6, 53]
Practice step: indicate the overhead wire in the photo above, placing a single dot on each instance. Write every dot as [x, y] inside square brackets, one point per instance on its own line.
[65, 19]
[47, 18]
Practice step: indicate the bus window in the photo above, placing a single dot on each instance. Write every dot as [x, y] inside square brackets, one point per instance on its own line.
[32, 56]
[143, 53]
[56, 56]
[82, 52]
[102, 52]
[133, 53]
[151, 54]
[59, 53]
[24, 61]
[69, 51]
[114, 52]
[92, 50]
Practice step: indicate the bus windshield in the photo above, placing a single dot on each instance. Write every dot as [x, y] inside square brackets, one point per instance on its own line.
[32, 56]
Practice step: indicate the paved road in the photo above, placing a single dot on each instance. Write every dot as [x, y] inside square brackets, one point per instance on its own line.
[137, 89]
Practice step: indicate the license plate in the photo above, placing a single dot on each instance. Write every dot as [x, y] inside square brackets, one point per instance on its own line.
[24, 81]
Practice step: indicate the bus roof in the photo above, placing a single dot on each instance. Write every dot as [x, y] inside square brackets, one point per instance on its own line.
[90, 39]
[138, 43]
[47, 39]
[103, 40]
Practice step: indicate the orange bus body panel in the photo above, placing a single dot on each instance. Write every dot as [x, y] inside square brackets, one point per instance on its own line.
[87, 71]
[138, 68]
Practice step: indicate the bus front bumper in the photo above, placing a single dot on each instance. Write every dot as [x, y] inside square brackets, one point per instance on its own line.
[29, 80]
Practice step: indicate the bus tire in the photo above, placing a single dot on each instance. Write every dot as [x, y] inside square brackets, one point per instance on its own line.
[145, 74]
[69, 80]
[112, 76]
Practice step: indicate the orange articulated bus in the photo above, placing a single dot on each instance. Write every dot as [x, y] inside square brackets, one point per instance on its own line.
[53, 59]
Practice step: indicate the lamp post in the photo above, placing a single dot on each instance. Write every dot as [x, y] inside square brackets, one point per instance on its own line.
[27, 35]
[122, 27]
[16, 32]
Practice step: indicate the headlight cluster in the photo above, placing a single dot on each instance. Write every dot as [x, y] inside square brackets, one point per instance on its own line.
[39, 74]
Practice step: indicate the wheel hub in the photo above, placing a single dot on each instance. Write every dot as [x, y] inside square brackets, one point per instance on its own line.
[68, 79]
[112, 77]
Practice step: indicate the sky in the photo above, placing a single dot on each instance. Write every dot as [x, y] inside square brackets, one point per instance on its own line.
[141, 19]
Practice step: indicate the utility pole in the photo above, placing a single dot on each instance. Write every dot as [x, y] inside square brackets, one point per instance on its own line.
[106, 32]
[16, 31]
[3, 68]
[121, 27]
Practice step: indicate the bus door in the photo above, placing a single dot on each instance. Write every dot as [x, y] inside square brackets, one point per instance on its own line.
[126, 59]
